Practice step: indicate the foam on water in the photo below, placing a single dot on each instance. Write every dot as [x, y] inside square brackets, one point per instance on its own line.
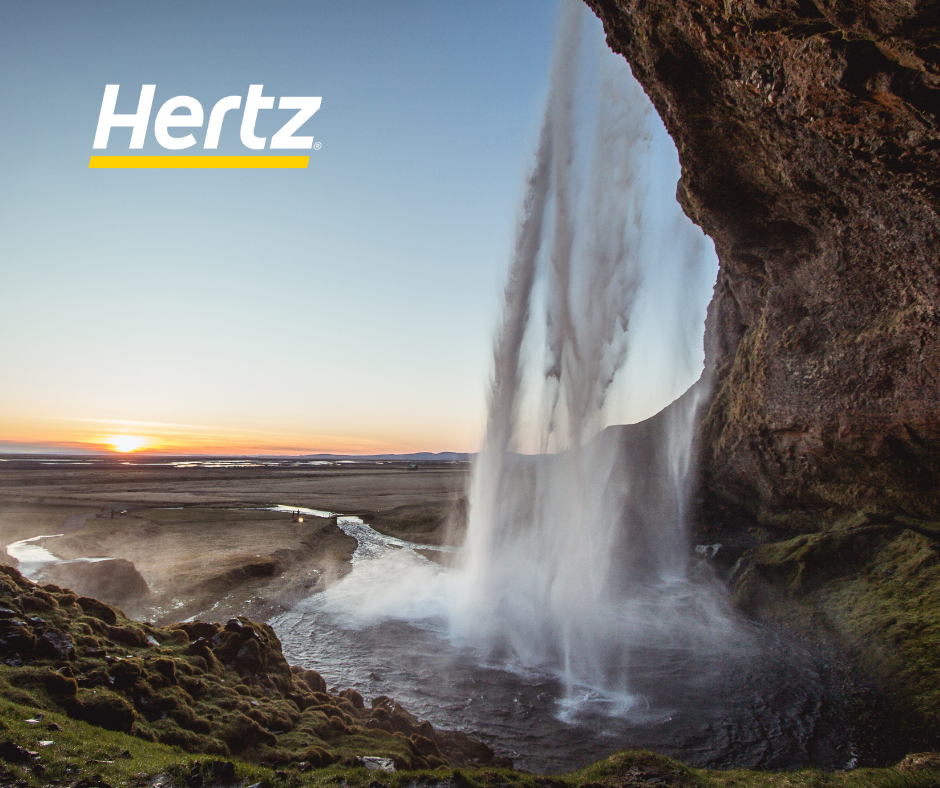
[386, 630]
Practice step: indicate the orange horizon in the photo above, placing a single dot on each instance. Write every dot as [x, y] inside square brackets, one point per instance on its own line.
[109, 445]
[133, 436]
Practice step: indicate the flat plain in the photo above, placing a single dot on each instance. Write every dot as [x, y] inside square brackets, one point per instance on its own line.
[201, 534]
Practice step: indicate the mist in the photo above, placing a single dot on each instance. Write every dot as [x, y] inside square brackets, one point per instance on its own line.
[577, 555]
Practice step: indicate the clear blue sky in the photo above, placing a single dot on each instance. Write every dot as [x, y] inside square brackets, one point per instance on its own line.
[346, 307]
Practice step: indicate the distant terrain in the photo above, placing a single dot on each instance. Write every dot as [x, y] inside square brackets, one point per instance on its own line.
[199, 532]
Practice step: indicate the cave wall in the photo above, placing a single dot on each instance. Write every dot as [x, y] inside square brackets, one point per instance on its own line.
[810, 151]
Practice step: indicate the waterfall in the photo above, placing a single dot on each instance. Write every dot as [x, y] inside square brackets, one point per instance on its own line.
[578, 619]
[576, 555]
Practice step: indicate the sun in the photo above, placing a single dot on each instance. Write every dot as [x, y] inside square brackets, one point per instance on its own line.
[127, 443]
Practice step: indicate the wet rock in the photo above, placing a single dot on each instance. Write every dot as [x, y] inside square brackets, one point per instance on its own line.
[810, 149]
[56, 645]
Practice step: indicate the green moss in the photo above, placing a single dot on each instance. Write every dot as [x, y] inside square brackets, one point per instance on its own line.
[101, 707]
[240, 733]
[876, 588]
[159, 700]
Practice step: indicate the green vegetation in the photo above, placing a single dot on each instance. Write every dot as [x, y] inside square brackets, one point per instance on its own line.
[873, 584]
[89, 698]
[206, 688]
[57, 750]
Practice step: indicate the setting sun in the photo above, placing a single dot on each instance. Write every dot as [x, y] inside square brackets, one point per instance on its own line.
[127, 443]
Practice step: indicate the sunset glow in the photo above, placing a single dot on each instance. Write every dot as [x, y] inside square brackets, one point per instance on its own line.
[127, 443]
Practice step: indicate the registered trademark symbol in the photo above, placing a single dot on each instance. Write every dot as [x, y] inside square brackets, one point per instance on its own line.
[317, 145]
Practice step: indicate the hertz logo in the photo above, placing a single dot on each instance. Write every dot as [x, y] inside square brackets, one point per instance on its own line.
[184, 112]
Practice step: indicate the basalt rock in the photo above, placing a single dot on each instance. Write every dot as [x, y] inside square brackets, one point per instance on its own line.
[808, 136]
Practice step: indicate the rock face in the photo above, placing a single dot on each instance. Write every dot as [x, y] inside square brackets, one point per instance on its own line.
[218, 690]
[807, 132]
[114, 580]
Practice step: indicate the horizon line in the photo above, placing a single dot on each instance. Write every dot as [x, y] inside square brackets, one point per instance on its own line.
[33, 452]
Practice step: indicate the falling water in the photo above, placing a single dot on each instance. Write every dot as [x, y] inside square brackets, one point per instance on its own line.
[575, 621]
[576, 558]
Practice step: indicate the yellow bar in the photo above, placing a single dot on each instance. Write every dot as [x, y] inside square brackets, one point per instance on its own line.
[198, 162]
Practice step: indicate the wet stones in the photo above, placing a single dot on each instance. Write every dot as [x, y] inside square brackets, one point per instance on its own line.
[56, 645]
[24, 641]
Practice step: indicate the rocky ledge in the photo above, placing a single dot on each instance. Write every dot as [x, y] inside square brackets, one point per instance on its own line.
[91, 699]
[222, 690]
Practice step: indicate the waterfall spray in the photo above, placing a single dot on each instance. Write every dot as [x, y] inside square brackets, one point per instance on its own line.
[576, 621]
[576, 557]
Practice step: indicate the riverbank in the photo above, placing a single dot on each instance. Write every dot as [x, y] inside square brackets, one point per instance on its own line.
[201, 536]
[90, 698]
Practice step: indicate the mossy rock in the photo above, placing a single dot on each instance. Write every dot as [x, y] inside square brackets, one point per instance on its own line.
[103, 708]
[168, 731]
[240, 732]
[874, 588]
[99, 610]
[172, 685]
[54, 683]
[127, 636]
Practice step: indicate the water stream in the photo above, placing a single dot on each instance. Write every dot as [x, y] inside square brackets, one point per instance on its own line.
[32, 557]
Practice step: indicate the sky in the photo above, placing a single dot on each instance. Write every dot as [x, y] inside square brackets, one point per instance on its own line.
[347, 307]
